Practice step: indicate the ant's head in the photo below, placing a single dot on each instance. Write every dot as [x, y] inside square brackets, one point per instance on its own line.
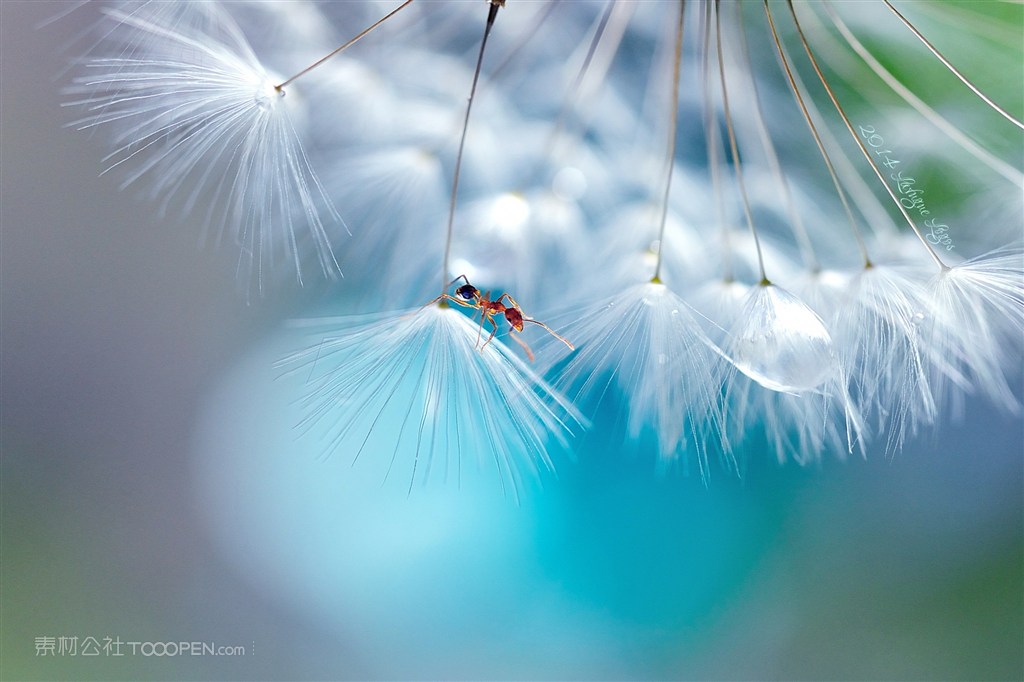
[515, 318]
[467, 292]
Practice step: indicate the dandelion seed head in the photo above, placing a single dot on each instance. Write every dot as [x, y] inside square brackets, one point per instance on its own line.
[875, 323]
[417, 392]
[645, 342]
[799, 415]
[975, 334]
[194, 112]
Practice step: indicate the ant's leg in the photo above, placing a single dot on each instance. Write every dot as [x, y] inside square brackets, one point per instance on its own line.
[515, 304]
[428, 304]
[550, 331]
[515, 337]
[480, 329]
[493, 332]
[510, 300]
[446, 297]
[459, 301]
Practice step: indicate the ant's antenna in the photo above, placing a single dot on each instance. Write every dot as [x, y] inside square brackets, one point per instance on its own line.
[280, 87]
[673, 124]
[491, 14]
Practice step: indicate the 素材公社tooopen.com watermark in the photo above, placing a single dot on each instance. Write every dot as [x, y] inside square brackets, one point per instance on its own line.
[75, 645]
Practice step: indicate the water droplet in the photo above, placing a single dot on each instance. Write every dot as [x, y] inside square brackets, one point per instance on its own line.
[781, 343]
[266, 95]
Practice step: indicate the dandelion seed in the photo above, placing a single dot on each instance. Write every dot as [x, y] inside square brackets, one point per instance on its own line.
[645, 342]
[192, 109]
[875, 321]
[976, 333]
[416, 390]
[977, 306]
[879, 316]
[801, 409]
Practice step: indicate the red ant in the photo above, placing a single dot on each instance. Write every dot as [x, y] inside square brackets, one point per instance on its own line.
[468, 296]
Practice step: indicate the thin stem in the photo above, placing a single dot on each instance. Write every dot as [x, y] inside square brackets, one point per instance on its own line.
[814, 132]
[574, 89]
[525, 36]
[981, 25]
[853, 134]
[733, 148]
[797, 224]
[557, 140]
[953, 69]
[492, 12]
[713, 146]
[571, 101]
[601, 50]
[344, 47]
[673, 125]
[859, 194]
[954, 133]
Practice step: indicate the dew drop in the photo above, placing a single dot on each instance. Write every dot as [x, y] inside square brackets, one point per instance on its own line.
[781, 343]
[267, 95]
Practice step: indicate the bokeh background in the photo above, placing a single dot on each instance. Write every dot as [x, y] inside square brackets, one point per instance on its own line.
[153, 489]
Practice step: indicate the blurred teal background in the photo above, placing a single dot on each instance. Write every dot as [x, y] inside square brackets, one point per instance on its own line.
[153, 490]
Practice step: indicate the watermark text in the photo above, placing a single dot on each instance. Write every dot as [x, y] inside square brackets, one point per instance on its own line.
[910, 196]
[76, 645]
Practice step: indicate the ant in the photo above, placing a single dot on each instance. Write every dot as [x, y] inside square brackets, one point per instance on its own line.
[468, 296]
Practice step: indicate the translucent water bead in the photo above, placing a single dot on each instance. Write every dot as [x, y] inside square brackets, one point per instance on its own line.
[780, 343]
[267, 94]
